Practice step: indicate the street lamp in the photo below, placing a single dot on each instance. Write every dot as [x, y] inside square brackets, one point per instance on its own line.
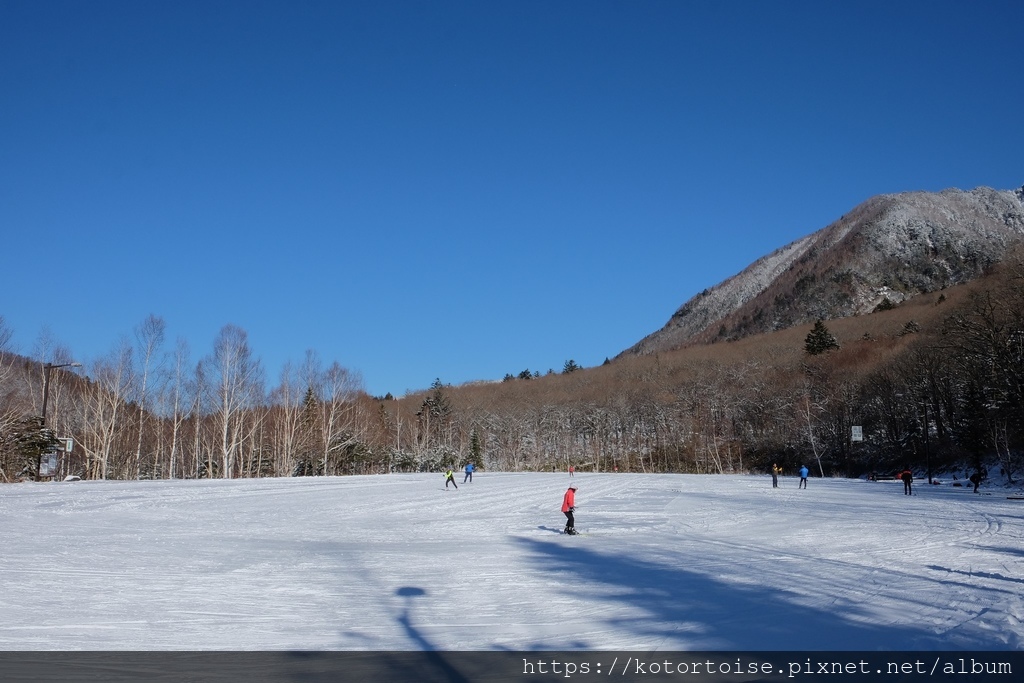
[927, 428]
[46, 396]
[923, 404]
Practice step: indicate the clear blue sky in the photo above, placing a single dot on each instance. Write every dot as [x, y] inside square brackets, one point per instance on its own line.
[460, 190]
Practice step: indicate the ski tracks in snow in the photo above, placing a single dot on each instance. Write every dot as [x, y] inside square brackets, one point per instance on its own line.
[397, 562]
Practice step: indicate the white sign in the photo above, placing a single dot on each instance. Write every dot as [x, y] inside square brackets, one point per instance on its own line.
[48, 464]
[856, 433]
[69, 442]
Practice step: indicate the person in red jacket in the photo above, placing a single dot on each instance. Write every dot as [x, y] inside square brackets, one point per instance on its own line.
[568, 506]
[908, 477]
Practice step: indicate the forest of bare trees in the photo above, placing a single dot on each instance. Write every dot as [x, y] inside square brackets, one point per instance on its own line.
[937, 385]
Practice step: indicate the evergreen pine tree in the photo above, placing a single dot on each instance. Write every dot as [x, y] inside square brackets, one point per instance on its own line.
[307, 462]
[436, 415]
[29, 440]
[819, 340]
[475, 449]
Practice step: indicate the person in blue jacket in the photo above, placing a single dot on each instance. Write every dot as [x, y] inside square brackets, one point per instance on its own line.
[803, 477]
[469, 473]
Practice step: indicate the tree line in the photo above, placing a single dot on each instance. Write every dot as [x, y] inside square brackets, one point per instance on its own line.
[938, 394]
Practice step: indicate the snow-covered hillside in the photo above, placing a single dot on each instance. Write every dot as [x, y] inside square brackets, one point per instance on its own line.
[667, 562]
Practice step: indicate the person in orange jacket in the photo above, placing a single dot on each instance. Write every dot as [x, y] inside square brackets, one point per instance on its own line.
[568, 506]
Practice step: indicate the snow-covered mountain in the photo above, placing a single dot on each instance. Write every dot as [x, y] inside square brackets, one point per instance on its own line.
[889, 248]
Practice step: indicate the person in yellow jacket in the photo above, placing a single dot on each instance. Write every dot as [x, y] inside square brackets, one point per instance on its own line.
[776, 471]
[449, 478]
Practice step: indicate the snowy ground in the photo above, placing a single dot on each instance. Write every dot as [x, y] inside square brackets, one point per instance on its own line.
[667, 562]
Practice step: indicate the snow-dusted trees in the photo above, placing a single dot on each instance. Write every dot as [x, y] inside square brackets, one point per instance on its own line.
[987, 340]
[137, 412]
[319, 421]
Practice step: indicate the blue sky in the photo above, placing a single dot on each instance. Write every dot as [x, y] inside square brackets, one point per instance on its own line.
[460, 190]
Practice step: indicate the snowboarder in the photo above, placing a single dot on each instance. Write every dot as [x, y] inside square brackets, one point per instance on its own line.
[449, 478]
[907, 477]
[568, 507]
[803, 477]
[469, 473]
[976, 480]
[776, 471]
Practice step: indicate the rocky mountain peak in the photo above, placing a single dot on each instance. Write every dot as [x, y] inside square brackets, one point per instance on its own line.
[891, 247]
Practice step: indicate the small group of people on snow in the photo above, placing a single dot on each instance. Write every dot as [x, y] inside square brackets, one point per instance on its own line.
[906, 476]
[776, 471]
[568, 500]
[449, 476]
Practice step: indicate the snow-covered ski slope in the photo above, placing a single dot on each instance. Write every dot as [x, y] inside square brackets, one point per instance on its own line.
[396, 562]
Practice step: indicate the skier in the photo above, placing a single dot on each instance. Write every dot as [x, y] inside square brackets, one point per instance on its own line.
[907, 477]
[449, 478]
[976, 480]
[803, 477]
[776, 470]
[568, 506]
[469, 473]
[572, 470]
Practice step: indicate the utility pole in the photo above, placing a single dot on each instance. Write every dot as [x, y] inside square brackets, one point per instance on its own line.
[46, 396]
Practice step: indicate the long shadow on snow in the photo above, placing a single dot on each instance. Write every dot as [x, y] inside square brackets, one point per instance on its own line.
[972, 574]
[696, 612]
[427, 665]
[1008, 551]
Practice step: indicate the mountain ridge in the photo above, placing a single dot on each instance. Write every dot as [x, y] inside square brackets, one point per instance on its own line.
[889, 248]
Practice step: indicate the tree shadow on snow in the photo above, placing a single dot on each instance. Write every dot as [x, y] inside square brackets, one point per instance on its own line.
[1019, 552]
[684, 610]
[973, 574]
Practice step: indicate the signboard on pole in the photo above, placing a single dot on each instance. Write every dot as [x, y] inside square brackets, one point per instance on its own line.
[48, 464]
[856, 433]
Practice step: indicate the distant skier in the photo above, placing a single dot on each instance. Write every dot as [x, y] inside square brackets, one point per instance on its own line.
[976, 480]
[568, 507]
[907, 477]
[469, 473]
[803, 477]
[572, 470]
[449, 478]
[776, 471]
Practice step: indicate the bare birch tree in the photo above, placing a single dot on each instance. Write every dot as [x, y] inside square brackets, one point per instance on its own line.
[338, 407]
[149, 337]
[236, 379]
[175, 399]
[287, 400]
[103, 409]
